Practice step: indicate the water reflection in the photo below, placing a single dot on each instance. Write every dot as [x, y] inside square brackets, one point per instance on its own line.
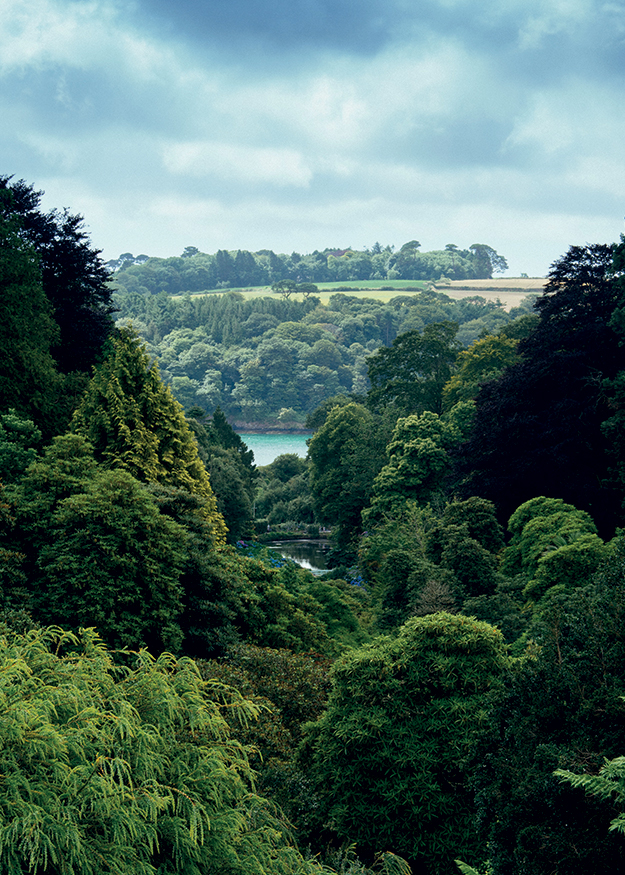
[309, 553]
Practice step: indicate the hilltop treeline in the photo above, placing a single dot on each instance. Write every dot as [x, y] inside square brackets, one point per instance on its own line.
[196, 271]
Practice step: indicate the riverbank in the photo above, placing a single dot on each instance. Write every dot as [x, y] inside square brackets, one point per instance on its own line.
[243, 427]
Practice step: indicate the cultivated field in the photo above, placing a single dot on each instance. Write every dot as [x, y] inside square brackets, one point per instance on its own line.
[510, 291]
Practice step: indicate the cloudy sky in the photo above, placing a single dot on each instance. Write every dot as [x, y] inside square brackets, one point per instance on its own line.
[305, 124]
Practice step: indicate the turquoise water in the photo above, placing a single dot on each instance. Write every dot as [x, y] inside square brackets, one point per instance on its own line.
[267, 446]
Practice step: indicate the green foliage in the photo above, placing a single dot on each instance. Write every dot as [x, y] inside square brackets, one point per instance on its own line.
[134, 423]
[345, 455]
[538, 427]
[608, 784]
[397, 746]
[563, 710]
[290, 690]
[284, 492]
[19, 440]
[418, 462]
[420, 561]
[255, 356]
[126, 771]
[412, 372]
[29, 380]
[97, 551]
[198, 271]
[231, 468]
[484, 360]
[73, 278]
[552, 543]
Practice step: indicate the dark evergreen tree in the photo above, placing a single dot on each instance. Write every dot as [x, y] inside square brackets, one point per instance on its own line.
[74, 277]
[537, 428]
[29, 381]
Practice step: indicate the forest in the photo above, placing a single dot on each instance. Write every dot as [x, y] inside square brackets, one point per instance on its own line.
[178, 699]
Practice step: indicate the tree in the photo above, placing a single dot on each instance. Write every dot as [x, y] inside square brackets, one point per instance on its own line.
[417, 464]
[114, 562]
[73, 276]
[134, 771]
[487, 261]
[29, 380]
[563, 710]
[538, 428]
[412, 372]
[284, 287]
[95, 549]
[345, 454]
[231, 467]
[133, 422]
[484, 360]
[392, 757]
[552, 544]
[19, 441]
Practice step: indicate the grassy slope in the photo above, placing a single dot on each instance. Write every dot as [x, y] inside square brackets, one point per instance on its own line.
[510, 291]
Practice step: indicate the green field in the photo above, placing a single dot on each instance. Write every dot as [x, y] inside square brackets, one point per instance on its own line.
[509, 290]
[378, 289]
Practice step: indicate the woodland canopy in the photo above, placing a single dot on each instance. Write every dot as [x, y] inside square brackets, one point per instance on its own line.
[177, 697]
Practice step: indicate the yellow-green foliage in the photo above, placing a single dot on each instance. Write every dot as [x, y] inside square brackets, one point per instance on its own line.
[126, 771]
[135, 423]
[484, 360]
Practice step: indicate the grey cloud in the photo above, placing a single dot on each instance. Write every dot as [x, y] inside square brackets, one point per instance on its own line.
[533, 40]
[278, 24]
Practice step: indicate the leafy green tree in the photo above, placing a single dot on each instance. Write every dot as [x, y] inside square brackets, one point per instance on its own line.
[345, 455]
[19, 440]
[484, 360]
[552, 544]
[284, 287]
[412, 372]
[393, 755]
[417, 464]
[95, 549]
[563, 710]
[487, 261]
[607, 785]
[134, 423]
[134, 771]
[114, 562]
[230, 465]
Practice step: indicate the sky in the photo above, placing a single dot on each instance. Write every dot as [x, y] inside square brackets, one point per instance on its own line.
[297, 125]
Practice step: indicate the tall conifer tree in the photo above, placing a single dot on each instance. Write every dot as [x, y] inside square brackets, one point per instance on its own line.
[28, 376]
[135, 423]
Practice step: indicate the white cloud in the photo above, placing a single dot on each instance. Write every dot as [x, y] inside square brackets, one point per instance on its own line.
[282, 167]
[440, 135]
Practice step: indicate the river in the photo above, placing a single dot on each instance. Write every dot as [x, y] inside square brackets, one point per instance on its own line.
[310, 553]
[266, 447]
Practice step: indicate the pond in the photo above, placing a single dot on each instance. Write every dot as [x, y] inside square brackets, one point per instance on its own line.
[310, 553]
[266, 447]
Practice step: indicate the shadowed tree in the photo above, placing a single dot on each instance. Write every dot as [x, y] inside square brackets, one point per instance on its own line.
[538, 428]
[74, 277]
